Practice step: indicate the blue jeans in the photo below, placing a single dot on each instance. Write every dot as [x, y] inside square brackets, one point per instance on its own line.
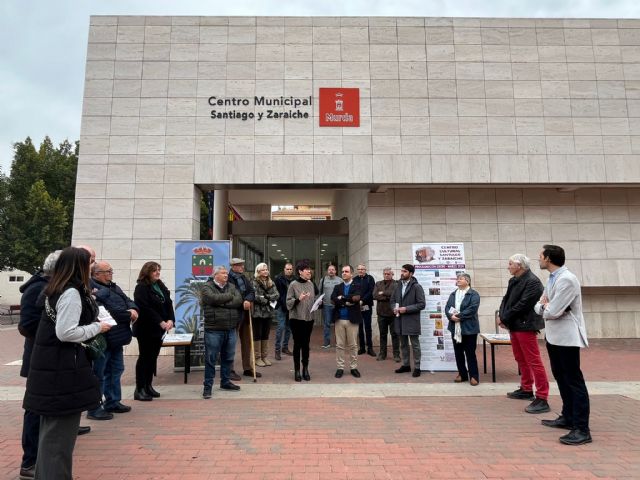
[282, 330]
[216, 342]
[327, 315]
[109, 369]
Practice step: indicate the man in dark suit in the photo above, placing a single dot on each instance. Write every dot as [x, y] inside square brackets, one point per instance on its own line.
[366, 283]
[347, 317]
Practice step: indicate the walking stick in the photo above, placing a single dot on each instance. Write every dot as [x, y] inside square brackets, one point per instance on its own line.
[253, 352]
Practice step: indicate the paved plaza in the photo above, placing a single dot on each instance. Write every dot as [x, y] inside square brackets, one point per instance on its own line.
[381, 426]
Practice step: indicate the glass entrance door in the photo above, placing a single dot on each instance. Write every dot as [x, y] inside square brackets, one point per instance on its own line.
[318, 250]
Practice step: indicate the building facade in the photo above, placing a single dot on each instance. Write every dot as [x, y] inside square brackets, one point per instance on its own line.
[504, 134]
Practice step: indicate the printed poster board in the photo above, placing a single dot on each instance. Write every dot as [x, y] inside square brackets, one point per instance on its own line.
[194, 263]
[437, 265]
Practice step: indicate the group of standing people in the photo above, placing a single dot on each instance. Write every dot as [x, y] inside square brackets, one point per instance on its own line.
[527, 308]
[64, 307]
[60, 307]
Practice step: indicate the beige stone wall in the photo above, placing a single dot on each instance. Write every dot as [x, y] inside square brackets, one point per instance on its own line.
[597, 227]
[479, 104]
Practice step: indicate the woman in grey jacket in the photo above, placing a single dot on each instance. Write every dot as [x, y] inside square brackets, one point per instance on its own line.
[300, 298]
[263, 312]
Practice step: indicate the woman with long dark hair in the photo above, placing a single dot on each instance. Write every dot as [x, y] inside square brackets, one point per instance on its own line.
[155, 318]
[300, 298]
[61, 384]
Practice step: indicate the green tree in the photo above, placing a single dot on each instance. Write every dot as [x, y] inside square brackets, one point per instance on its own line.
[37, 229]
[4, 203]
[38, 201]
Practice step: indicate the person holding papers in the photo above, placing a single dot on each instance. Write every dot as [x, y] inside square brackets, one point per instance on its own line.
[120, 311]
[301, 296]
[464, 325]
[155, 319]
[263, 312]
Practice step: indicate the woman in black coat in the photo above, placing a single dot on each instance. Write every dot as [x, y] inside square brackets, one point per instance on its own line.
[155, 318]
[61, 383]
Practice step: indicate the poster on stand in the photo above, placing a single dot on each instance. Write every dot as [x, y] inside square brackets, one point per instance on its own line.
[195, 261]
[437, 265]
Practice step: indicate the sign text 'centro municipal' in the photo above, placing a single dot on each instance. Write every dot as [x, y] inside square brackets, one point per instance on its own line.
[339, 107]
[242, 108]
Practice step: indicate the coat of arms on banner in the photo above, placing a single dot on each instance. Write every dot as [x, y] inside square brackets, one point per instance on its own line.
[202, 261]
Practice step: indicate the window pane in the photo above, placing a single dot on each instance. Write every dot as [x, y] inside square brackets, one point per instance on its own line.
[333, 251]
[251, 249]
[280, 252]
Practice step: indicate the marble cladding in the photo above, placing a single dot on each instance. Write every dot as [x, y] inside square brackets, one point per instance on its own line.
[596, 226]
[475, 103]
[443, 100]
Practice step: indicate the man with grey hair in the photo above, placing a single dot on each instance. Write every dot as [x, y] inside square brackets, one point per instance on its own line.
[382, 293]
[110, 366]
[221, 304]
[518, 316]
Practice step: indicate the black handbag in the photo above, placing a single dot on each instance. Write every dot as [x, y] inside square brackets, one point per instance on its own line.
[94, 347]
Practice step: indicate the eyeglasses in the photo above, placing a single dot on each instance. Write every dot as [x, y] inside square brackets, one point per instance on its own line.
[104, 271]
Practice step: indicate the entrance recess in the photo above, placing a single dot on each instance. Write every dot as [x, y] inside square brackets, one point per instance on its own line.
[277, 242]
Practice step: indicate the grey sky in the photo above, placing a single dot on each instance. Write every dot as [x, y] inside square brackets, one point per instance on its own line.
[43, 44]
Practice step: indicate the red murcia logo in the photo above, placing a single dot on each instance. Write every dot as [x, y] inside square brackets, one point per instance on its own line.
[339, 107]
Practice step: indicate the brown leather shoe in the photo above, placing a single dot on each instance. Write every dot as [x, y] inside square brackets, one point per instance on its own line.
[458, 379]
[473, 382]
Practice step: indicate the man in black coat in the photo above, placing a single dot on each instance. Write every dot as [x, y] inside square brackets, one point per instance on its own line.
[407, 302]
[347, 317]
[518, 315]
[110, 367]
[366, 284]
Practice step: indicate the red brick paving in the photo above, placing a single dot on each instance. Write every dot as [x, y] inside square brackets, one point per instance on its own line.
[348, 438]
[392, 438]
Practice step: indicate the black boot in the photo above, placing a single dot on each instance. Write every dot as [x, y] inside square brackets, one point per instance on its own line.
[297, 376]
[305, 373]
[142, 395]
[152, 391]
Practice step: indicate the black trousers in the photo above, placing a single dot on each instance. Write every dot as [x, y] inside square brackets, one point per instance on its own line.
[149, 348]
[261, 327]
[467, 348]
[565, 366]
[364, 330]
[301, 331]
[385, 325]
[30, 434]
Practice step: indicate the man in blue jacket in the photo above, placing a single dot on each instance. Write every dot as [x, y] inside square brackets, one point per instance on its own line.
[110, 367]
[346, 316]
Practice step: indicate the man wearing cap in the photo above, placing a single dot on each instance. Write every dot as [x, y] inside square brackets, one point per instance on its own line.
[242, 283]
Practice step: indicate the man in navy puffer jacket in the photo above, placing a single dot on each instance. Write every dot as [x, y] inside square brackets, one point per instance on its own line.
[110, 367]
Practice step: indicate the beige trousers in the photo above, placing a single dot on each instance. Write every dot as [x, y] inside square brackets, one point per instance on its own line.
[346, 340]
